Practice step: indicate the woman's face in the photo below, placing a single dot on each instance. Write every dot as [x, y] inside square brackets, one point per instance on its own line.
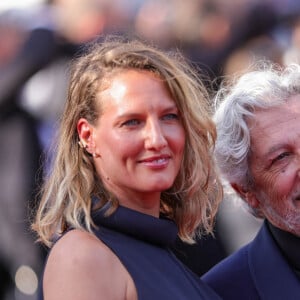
[275, 164]
[139, 139]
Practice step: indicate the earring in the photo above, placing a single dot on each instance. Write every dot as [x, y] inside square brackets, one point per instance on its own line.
[95, 155]
[82, 144]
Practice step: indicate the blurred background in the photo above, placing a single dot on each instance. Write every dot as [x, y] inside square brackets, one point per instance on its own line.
[39, 39]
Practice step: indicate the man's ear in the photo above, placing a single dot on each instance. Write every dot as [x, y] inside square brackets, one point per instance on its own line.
[246, 195]
[85, 134]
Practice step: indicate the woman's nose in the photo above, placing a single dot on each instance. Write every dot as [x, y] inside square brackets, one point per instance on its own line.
[154, 136]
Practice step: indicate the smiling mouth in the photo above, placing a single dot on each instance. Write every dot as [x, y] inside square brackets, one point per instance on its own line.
[156, 162]
[158, 159]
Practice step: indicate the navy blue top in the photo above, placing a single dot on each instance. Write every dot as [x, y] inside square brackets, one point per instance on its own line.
[141, 243]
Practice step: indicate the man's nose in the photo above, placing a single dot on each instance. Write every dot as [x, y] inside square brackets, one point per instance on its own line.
[297, 162]
[298, 159]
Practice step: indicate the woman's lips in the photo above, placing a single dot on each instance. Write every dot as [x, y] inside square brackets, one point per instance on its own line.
[156, 161]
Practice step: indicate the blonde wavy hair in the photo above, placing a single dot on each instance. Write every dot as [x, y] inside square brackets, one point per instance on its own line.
[66, 196]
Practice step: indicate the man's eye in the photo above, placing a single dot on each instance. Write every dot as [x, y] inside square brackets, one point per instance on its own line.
[281, 156]
[132, 122]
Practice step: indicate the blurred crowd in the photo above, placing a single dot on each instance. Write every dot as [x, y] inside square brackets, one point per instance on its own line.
[220, 37]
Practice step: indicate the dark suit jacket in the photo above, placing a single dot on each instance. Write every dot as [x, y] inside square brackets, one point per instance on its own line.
[256, 271]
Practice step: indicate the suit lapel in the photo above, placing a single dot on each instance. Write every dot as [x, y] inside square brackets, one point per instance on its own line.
[272, 276]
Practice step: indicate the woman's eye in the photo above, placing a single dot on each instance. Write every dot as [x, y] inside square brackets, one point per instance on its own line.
[171, 117]
[132, 122]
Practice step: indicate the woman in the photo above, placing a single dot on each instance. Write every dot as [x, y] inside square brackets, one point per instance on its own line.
[133, 170]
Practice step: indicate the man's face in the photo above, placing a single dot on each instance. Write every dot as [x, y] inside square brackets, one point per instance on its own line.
[275, 164]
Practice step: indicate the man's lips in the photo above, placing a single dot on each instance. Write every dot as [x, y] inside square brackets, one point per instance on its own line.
[296, 195]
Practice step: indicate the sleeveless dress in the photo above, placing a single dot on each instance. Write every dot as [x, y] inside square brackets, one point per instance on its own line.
[141, 242]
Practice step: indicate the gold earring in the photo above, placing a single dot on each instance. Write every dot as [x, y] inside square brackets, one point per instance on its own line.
[82, 144]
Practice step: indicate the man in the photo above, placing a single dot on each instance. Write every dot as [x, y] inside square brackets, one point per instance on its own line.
[258, 153]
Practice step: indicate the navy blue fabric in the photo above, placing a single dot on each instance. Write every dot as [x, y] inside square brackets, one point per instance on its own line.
[289, 244]
[258, 271]
[141, 243]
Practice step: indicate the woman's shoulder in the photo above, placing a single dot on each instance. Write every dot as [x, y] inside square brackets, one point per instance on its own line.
[80, 265]
[81, 246]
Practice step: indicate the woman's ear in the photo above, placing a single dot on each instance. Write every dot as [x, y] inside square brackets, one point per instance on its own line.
[246, 195]
[85, 133]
